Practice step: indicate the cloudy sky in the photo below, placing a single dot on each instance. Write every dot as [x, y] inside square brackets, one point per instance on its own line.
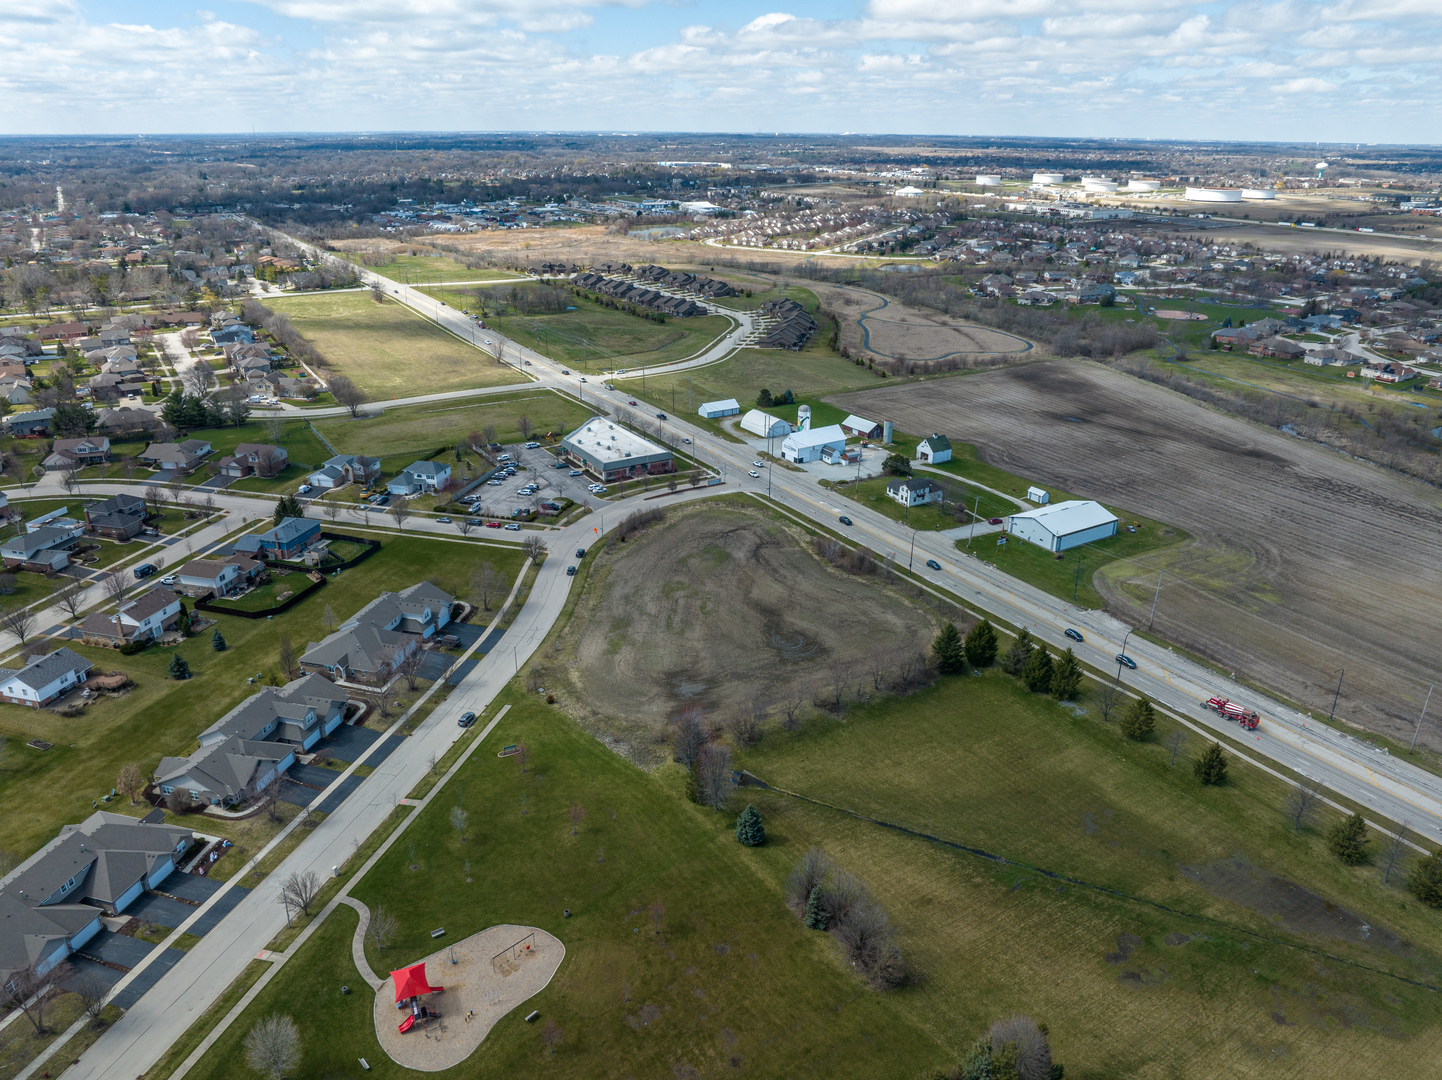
[1334, 70]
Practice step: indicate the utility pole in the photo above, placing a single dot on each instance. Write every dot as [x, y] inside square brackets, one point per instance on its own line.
[1335, 696]
[1155, 597]
[974, 520]
[911, 561]
[1123, 652]
[1077, 583]
[1421, 718]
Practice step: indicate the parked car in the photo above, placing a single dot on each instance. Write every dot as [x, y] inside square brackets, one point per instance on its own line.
[491, 483]
[993, 521]
[169, 579]
[493, 524]
[144, 570]
[466, 719]
[570, 571]
[580, 553]
[513, 526]
[844, 520]
[443, 521]
[933, 564]
[1123, 658]
[383, 500]
[304, 489]
[533, 445]
[575, 472]
[1075, 635]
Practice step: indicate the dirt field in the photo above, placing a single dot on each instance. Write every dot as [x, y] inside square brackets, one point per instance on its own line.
[887, 328]
[712, 607]
[1301, 563]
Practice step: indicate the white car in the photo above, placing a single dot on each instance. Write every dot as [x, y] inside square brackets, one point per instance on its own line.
[599, 489]
[753, 472]
[576, 472]
[493, 483]
[583, 378]
[759, 464]
[513, 526]
[304, 489]
[488, 341]
[169, 579]
[533, 445]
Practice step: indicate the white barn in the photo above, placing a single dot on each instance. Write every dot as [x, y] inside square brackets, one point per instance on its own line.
[935, 449]
[764, 424]
[813, 445]
[713, 410]
[1064, 525]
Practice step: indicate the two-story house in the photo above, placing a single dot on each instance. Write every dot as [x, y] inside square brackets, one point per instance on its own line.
[370, 645]
[142, 619]
[288, 540]
[420, 476]
[43, 678]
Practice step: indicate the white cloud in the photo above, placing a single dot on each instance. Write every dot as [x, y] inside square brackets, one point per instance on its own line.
[1306, 86]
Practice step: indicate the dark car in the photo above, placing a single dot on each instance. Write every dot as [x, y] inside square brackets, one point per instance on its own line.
[933, 564]
[993, 521]
[844, 520]
[144, 570]
[382, 500]
[570, 571]
[660, 416]
[1075, 635]
[1123, 658]
[580, 553]
[466, 719]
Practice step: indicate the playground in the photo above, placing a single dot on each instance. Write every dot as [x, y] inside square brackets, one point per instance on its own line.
[450, 1000]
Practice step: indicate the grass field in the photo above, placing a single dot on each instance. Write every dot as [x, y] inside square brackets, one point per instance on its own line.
[980, 762]
[387, 349]
[414, 269]
[929, 518]
[593, 338]
[47, 789]
[421, 428]
[731, 984]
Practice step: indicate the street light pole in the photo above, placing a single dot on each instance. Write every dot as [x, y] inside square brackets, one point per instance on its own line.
[912, 560]
[1155, 596]
[1123, 652]
[1335, 696]
[1421, 718]
[975, 507]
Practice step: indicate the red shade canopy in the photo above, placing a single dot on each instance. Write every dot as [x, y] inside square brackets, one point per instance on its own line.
[411, 982]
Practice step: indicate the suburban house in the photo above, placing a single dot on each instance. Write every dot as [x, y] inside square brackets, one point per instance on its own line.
[934, 449]
[346, 469]
[1276, 346]
[235, 333]
[420, 476]
[914, 491]
[124, 421]
[176, 457]
[859, 425]
[1388, 372]
[120, 517]
[36, 422]
[380, 635]
[288, 540]
[77, 453]
[247, 748]
[45, 549]
[52, 903]
[143, 619]
[201, 576]
[261, 459]
[43, 678]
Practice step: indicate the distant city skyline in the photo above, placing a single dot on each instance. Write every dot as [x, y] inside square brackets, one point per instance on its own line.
[1292, 70]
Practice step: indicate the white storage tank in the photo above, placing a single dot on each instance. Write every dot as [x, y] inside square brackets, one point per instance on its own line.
[1206, 194]
[988, 180]
[1047, 178]
[1099, 184]
[1144, 185]
[1258, 193]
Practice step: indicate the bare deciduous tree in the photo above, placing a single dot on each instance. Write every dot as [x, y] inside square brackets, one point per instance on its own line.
[20, 621]
[71, 598]
[409, 668]
[272, 1047]
[400, 510]
[131, 781]
[485, 581]
[154, 494]
[577, 814]
[347, 393]
[381, 930]
[1110, 699]
[747, 720]
[327, 620]
[523, 425]
[689, 736]
[713, 775]
[458, 821]
[534, 548]
[31, 992]
[465, 526]
[811, 870]
[1300, 805]
[1395, 853]
[1174, 744]
[92, 991]
[551, 1035]
[301, 889]
[331, 508]
[793, 701]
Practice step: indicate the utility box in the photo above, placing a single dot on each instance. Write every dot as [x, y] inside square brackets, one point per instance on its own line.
[1038, 496]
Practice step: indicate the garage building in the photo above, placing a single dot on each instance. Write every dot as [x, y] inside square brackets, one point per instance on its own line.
[1064, 525]
[764, 424]
[822, 444]
[713, 410]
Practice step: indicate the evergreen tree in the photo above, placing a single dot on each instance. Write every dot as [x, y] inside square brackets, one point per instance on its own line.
[1211, 767]
[1425, 880]
[1020, 652]
[763, 399]
[179, 669]
[977, 1063]
[182, 622]
[981, 645]
[217, 642]
[749, 829]
[1348, 840]
[815, 916]
[1037, 672]
[1140, 721]
[1066, 676]
[896, 465]
[288, 507]
[788, 398]
[947, 648]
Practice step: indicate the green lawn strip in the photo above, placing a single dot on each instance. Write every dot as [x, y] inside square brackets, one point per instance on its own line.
[82, 1041]
[48, 789]
[414, 269]
[195, 1034]
[983, 763]
[421, 429]
[278, 854]
[387, 349]
[932, 517]
[724, 928]
[286, 481]
[267, 596]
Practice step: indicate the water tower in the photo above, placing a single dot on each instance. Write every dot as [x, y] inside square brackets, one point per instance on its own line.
[1320, 167]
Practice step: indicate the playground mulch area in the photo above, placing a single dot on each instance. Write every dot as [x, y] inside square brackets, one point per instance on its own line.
[492, 973]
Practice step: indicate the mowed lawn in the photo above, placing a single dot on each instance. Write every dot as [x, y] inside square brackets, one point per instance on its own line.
[43, 790]
[417, 429]
[419, 268]
[388, 350]
[980, 762]
[732, 984]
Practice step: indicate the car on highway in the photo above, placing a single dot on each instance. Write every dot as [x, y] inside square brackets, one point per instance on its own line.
[1075, 635]
[686, 441]
[144, 570]
[564, 372]
[607, 386]
[622, 371]
[443, 521]
[759, 464]
[583, 378]
[466, 719]
[1123, 658]
[528, 363]
[933, 564]
[513, 526]
[631, 401]
[488, 341]
[660, 416]
[993, 521]
[580, 553]
[753, 472]
[844, 520]
[570, 571]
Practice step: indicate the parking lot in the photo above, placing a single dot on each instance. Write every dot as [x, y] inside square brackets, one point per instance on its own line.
[551, 483]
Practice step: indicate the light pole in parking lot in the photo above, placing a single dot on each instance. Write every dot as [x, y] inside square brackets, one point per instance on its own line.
[1337, 694]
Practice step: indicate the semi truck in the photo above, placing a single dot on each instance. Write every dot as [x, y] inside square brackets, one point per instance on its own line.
[1232, 711]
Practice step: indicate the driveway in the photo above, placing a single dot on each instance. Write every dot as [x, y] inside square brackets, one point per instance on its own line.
[117, 949]
[349, 742]
[216, 483]
[164, 476]
[161, 910]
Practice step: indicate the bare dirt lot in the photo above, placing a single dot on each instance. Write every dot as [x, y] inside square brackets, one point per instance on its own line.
[714, 606]
[876, 324]
[1302, 562]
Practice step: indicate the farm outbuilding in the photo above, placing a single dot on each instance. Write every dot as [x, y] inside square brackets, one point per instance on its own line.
[713, 410]
[764, 424]
[1065, 525]
[859, 425]
[1037, 495]
[934, 449]
[824, 442]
